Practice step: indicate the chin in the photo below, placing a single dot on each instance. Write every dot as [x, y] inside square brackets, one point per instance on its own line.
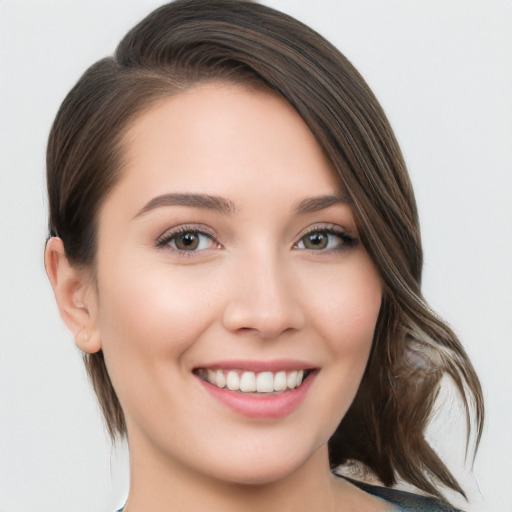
[255, 468]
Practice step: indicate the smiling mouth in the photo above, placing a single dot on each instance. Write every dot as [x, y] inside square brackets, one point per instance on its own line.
[258, 383]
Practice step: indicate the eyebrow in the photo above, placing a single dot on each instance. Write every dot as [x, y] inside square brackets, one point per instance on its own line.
[225, 206]
[315, 204]
[203, 201]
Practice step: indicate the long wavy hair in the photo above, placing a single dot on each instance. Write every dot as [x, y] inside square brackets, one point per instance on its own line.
[189, 42]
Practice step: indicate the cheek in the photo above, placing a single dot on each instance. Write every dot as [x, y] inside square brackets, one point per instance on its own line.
[148, 319]
[345, 318]
[148, 316]
[151, 301]
[348, 312]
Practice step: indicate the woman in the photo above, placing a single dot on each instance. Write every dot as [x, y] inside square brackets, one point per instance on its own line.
[235, 247]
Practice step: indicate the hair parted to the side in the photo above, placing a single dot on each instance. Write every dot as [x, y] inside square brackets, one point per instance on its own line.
[189, 42]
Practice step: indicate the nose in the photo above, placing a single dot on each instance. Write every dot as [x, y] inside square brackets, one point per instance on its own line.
[264, 299]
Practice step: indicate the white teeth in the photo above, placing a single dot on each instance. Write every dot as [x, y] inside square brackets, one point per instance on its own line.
[248, 382]
[265, 382]
[233, 381]
[291, 380]
[211, 375]
[220, 379]
[251, 382]
[280, 381]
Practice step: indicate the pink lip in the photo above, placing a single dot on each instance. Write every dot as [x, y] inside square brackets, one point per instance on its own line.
[275, 406]
[275, 365]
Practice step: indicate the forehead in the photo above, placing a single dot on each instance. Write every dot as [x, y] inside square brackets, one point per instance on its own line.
[216, 137]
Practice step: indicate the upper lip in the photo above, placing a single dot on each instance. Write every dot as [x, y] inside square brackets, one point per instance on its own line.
[274, 365]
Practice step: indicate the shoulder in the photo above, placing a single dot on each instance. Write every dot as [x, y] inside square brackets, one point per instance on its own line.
[405, 501]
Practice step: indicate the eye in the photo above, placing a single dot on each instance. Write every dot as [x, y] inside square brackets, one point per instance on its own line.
[187, 240]
[325, 240]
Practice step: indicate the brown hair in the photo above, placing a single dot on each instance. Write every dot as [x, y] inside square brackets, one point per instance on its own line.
[189, 42]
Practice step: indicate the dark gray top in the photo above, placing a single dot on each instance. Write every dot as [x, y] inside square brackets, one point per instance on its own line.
[404, 501]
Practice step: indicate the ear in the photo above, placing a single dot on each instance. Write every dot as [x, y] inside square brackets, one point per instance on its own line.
[75, 295]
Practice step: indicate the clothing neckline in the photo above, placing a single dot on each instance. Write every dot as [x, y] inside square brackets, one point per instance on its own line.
[405, 501]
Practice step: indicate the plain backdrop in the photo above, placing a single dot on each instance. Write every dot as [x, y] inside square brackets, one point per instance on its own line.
[442, 71]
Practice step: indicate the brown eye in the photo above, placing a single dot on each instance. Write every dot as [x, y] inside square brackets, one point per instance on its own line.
[325, 240]
[316, 241]
[187, 241]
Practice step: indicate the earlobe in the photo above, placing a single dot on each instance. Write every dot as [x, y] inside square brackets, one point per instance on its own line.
[74, 295]
[88, 341]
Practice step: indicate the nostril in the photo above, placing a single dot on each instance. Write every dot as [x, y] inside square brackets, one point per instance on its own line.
[251, 319]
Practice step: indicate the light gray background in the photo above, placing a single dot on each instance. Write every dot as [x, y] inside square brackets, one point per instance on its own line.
[441, 69]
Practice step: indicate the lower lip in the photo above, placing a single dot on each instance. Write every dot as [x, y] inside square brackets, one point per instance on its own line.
[264, 406]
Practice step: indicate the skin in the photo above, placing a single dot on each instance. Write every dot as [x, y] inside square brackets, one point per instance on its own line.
[253, 290]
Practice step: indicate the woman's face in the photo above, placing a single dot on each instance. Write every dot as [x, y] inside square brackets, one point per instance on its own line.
[228, 258]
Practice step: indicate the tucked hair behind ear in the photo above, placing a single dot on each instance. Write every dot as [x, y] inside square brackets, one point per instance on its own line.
[189, 42]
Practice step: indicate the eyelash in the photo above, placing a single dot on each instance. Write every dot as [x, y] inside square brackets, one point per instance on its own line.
[164, 241]
[347, 241]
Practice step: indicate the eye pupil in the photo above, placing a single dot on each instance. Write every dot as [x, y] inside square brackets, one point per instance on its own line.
[316, 241]
[187, 241]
